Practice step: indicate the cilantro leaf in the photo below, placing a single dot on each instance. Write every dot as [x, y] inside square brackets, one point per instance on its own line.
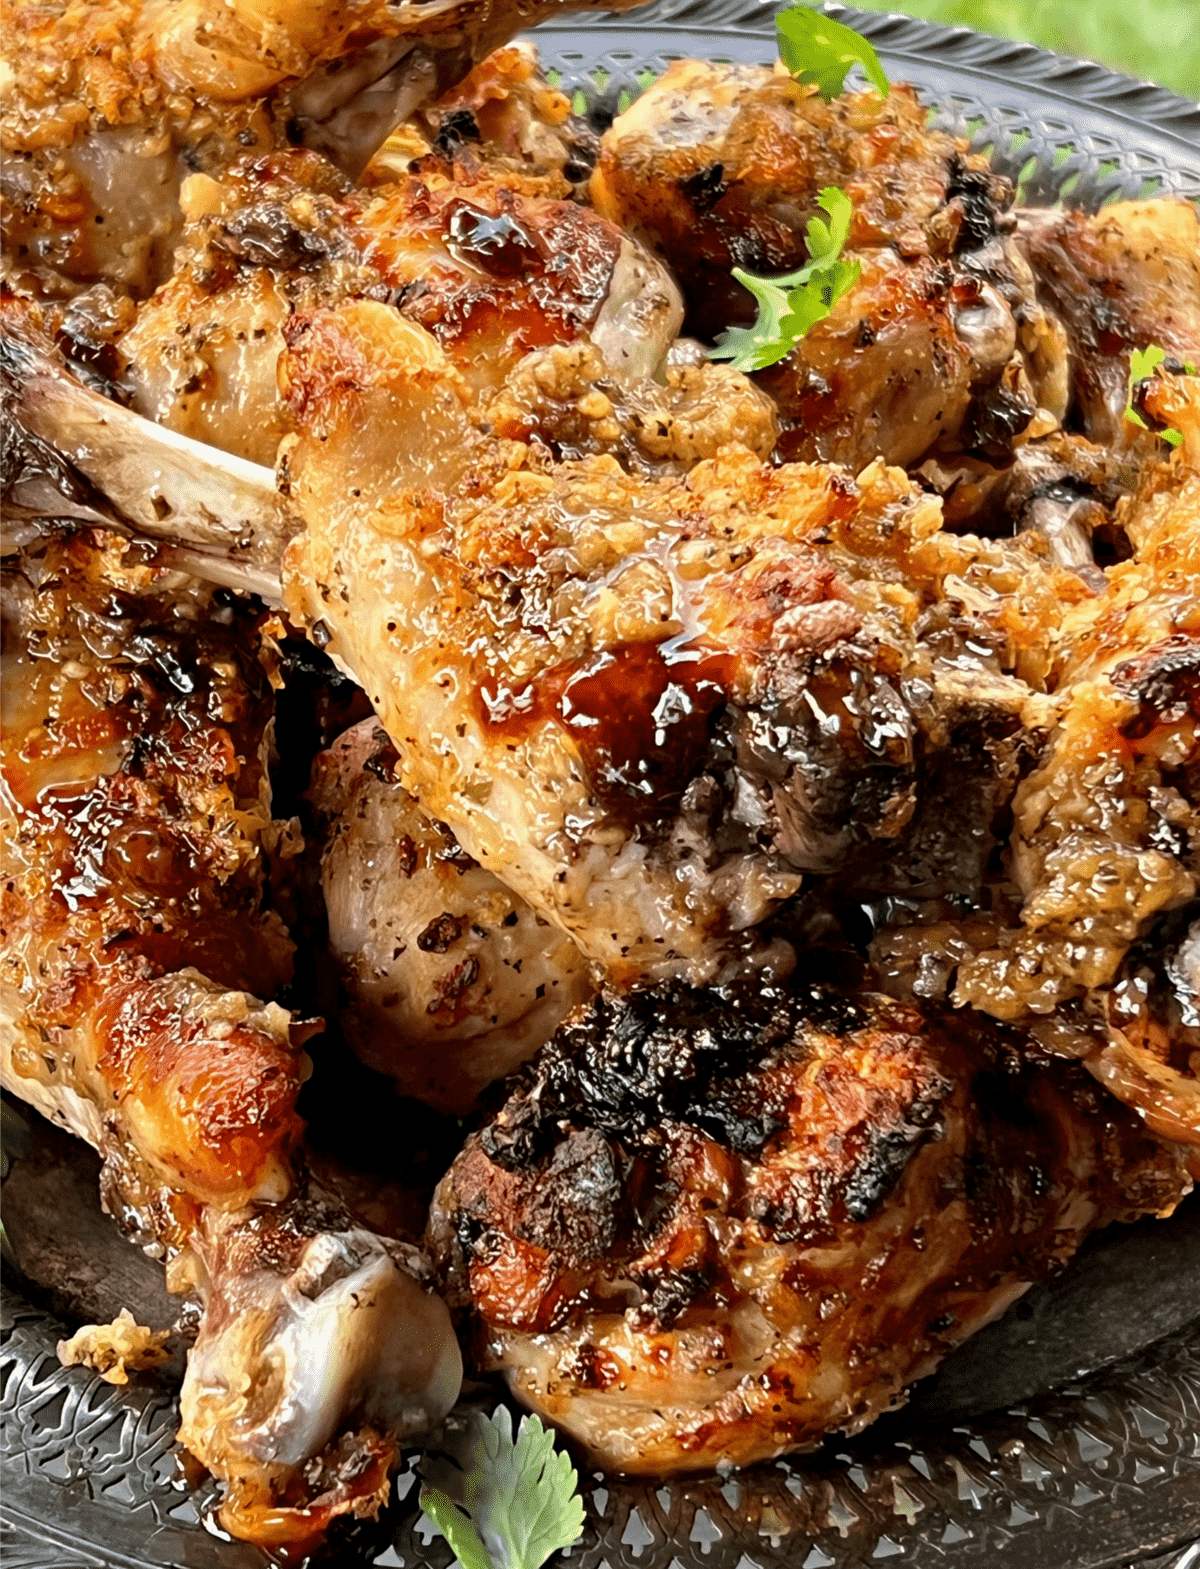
[1142, 365]
[503, 1502]
[790, 305]
[817, 49]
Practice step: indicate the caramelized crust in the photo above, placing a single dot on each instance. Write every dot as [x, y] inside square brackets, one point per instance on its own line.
[707, 1228]
[135, 714]
[648, 702]
[723, 164]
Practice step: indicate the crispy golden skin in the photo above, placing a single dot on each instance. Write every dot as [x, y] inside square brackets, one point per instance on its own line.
[137, 938]
[134, 913]
[708, 1228]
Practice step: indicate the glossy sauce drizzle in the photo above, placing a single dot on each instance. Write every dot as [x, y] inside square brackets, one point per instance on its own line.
[640, 713]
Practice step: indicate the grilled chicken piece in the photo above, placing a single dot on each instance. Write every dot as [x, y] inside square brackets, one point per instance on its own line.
[1122, 279]
[648, 704]
[708, 1228]
[942, 339]
[108, 106]
[1087, 944]
[491, 272]
[1107, 831]
[921, 354]
[136, 943]
[452, 980]
[723, 164]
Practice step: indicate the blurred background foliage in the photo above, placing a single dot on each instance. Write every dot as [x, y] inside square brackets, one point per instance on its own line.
[1155, 39]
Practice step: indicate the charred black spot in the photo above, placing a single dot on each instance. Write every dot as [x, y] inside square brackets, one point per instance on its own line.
[1165, 681]
[705, 188]
[629, 1064]
[459, 126]
[442, 932]
[266, 235]
[573, 1208]
[668, 1296]
[993, 421]
[979, 196]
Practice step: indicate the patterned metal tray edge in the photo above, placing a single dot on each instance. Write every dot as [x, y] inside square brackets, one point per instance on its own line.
[1111, 1466]
[1067, 129]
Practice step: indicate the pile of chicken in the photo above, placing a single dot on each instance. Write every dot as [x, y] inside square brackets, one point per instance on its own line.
[791, 782]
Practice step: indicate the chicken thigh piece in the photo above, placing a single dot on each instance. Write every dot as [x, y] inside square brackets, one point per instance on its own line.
[942, 339]
[648, 704]
[1124, 278]
[707, 1228]
[722, 166]
[452, 981]
[109, 106]
[137, 940]
[491, 270]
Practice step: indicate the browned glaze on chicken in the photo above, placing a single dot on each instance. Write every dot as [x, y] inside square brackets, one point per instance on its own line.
[1121, 279]
[451, 980]
[708, 1227]
[647, 703]
[491, 271]
[137, 940]
[942, 340]
[723, 165]
[134, 728]
[110, 104]
[923, 354]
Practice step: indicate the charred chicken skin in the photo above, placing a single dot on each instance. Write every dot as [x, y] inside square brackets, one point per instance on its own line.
[709, 1227]
[137, 939]
[942, 340]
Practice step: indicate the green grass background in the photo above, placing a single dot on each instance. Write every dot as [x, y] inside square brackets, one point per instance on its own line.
[1155, 39]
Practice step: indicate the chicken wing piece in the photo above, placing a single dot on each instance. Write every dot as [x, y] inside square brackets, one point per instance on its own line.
[137, 939]
[452, 980]
[108, 106]
[649, 704]
[1121, 279]
[707, 1228]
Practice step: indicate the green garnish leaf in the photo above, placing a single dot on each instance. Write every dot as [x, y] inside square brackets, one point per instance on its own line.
[817, 49]
[503, 1502]
[1142, 365]
[790, 305]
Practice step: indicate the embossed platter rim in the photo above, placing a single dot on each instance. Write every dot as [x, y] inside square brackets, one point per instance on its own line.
[1110, 1466]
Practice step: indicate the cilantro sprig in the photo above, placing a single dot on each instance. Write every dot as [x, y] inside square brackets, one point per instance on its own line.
[502, 1502]
[817, 49]
[790, 305]
[1142, 365]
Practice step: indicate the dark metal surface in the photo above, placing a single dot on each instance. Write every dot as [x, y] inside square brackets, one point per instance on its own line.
[1065, 1437]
